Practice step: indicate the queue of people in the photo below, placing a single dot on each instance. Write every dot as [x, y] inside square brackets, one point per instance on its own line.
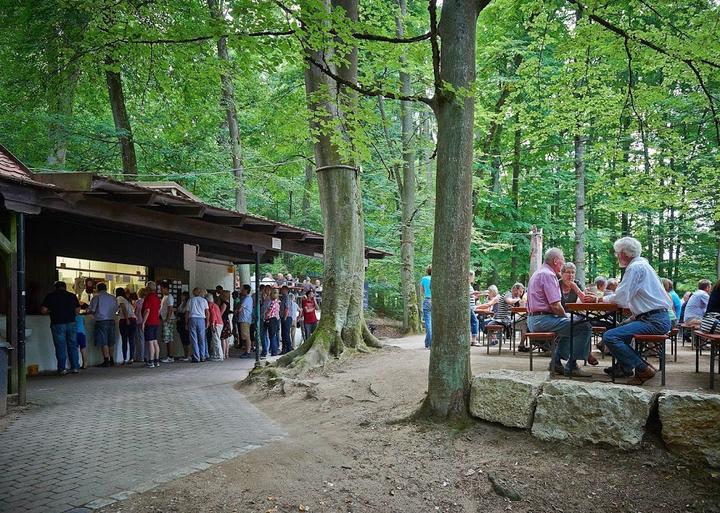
[207, 323]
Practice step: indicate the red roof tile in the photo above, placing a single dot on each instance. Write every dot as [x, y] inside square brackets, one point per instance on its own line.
[11, 167]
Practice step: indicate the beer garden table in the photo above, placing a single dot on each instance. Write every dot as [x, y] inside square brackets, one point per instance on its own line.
[517, 314]
[606, 313]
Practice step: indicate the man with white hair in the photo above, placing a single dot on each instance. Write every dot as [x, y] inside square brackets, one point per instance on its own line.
[546, 313]
[642, 293]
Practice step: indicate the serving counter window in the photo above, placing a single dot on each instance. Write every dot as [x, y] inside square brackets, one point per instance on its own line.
[75, 272]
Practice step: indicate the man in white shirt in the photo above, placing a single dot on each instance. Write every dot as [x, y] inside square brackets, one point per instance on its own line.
[643, 294]
[167, 315]
[697, 304]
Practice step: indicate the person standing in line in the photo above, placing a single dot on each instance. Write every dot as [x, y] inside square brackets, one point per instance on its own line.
[285, 319]
[265, 302]
[294, 311]
[226, 316]
[81, 339]
[425, 283]
[167, 316]
[140, 346]
[244, 315]
[180, 325]
[127, 326]
[63, 307]
[151, 323]
[237, 342]
[103, 307]
[216, 325]
[309, 307]
[197, 319]
[273, 318]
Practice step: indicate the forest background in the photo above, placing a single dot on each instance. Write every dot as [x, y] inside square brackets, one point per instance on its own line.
[587, 132]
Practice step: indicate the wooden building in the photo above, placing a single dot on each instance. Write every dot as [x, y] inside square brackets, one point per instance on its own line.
[74, 225]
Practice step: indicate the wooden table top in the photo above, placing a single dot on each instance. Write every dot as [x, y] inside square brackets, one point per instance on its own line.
[591, 307]
[518, 309]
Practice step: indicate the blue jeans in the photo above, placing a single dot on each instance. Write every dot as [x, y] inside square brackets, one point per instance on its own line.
[617, 340]
[65, 340]
[286, 325]
[427, 318]
[473, 323]
[198, 338]
[265, 337]
[274, 332]
[582, 332]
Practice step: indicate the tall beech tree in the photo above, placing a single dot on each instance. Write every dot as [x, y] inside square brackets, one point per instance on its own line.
[342, 324]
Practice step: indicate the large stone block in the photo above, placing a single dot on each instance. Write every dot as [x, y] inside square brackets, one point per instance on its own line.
[592, 412]
[691, 425]
[507, 397]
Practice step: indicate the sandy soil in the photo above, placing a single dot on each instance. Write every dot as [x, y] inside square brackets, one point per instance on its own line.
[345, 454]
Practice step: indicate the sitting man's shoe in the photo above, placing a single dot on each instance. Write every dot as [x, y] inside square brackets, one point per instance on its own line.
[642, 376]
[617, 372]
[577, 372]
[523, 349]
[558, 369]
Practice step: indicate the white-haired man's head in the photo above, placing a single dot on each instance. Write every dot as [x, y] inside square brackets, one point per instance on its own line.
[554, 258]
[626, 249]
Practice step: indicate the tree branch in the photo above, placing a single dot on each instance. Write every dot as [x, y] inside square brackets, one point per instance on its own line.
[625, 34]
[364, 90]
[432, 8]
[710, 98]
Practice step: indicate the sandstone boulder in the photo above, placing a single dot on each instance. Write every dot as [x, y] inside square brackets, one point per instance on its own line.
[579, 412]
[507, 397]
[691, 425]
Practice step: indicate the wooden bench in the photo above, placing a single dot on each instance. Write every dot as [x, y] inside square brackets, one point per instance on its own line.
[538, 339]
[657, 342]
[714, 341]
[499, 330]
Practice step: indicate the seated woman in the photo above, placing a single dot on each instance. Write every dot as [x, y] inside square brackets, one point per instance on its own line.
[572, 293]
[489, 309]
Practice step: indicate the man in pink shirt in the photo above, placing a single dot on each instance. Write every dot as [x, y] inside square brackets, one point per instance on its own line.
[546, 313]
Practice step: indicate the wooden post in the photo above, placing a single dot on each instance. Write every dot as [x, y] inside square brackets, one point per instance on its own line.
[9, 248]
[536, 249]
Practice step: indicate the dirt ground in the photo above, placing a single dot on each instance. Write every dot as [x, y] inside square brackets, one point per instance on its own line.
[344, 453]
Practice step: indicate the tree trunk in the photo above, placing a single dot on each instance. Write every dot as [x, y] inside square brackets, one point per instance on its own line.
[536, 250]
[342, 325]
[411, 315]
[228, 102]
[580, 142]
[649, 231]
[449, 371]
[122, 121]
[515, 193]
[61, 97]
[717, 253]
[426, 154]
[309, 172]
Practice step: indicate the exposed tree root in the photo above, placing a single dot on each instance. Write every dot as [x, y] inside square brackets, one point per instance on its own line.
[325, 346]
